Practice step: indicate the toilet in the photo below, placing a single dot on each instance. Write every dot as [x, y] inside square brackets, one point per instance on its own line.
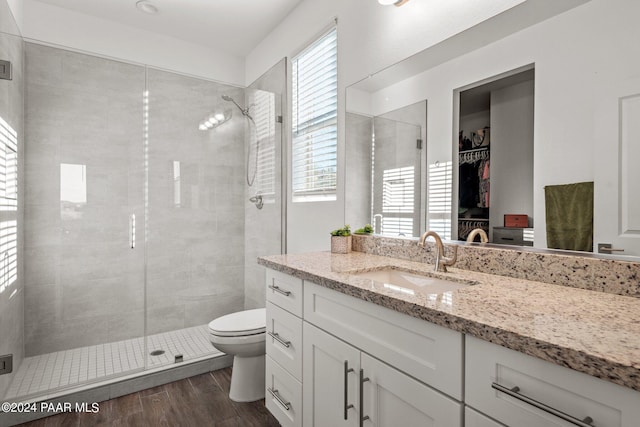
[242, 335]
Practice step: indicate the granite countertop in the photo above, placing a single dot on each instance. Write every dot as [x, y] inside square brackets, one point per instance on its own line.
[592, 332]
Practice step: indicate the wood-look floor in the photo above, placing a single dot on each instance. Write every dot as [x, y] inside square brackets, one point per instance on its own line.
[198, 401]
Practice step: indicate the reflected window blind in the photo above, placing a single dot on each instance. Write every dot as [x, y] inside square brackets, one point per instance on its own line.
[398, 190]
[314, 121]
[440, 184]
[8, 204]
[264, 136]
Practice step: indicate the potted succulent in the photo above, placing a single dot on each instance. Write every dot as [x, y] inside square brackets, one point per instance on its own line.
[341, 240]
[367, 229]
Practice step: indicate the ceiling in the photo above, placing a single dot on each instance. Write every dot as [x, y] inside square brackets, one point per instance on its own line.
[235, 26]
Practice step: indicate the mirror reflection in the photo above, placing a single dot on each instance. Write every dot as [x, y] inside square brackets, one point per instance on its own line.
[385, 161]
[546, 103]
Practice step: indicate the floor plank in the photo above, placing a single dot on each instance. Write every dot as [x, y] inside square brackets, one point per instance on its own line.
[198, 401]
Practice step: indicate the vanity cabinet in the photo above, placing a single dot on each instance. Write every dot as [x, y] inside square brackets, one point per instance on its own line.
[524, 391]
[363, 361]
[343, 385]
[432, 354]
[283, 371]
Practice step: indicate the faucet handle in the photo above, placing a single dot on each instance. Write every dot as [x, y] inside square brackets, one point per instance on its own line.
[450, 261]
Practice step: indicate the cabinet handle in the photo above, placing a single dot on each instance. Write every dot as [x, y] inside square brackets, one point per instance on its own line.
[363, 380]
[514, 392]
[276, 396]
[278, 289]
[347, 406]
[276, 337]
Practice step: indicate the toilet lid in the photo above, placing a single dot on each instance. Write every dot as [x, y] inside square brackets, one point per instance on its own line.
[247, 322]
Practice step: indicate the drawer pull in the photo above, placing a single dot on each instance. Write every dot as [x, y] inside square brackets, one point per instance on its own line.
[276, 337]
[513, 392]
[363, 380]
[347, 406]
[279, 290]
[276, 396]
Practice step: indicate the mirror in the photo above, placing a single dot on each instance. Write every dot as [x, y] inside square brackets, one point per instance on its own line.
[586, 108]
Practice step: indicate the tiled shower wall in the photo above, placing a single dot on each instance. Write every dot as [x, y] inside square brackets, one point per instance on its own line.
[195, 249]
[84, 283]
[12, 114]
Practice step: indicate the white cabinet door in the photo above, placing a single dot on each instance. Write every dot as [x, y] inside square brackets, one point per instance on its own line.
[330, 383]
[393, 399]
[476, 419]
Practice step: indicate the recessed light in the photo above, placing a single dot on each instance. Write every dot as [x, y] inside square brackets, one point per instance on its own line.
[146, 7]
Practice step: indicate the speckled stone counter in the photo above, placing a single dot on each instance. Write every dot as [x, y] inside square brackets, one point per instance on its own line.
[592, 332]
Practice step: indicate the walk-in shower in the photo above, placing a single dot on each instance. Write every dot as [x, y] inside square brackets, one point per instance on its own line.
[115, 142]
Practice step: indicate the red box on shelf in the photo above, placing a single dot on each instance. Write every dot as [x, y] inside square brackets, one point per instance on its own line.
[516, 220]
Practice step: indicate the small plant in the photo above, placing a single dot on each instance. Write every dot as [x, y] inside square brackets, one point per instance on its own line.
[344, 231]
[367, 229]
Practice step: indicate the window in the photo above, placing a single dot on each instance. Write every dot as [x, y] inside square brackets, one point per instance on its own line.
[439, 215]
[314, 121]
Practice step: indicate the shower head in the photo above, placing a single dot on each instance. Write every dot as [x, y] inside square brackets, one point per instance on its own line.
[244, 111]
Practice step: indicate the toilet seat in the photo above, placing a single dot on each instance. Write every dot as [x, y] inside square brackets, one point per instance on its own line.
[241, 323]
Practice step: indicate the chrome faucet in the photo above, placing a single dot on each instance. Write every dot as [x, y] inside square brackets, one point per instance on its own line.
[478, 231]
[441, 261]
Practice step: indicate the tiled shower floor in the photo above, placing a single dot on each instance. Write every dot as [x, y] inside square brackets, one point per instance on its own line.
[44, 373]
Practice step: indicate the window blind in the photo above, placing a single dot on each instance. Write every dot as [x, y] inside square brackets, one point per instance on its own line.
[440, 183]
[398, 189]
[8, 204]
[314, 121]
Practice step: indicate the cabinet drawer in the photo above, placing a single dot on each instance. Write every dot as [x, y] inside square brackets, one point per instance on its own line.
[284, 339]
[508, 236]
[428, 352]
[283, 396]
[570, 392]
[285, 291]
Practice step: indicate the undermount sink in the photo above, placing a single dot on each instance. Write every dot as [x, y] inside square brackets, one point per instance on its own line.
[403, 281]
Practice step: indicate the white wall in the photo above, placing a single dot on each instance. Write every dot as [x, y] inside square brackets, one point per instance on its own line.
[17, 11]
[65, 28]
[512, 124]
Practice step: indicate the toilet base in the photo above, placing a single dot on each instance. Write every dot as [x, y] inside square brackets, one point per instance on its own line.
[247, 379]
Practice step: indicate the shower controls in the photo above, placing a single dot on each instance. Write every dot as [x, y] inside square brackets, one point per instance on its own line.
[6, 364]
[257, 200]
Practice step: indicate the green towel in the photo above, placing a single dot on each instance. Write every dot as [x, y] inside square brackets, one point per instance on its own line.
[569, 213]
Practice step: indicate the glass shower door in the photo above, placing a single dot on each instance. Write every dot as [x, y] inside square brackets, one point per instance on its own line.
[195, 213]
[84, 272]
[396, 175]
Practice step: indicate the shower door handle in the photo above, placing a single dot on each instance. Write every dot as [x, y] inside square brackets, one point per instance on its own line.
[132, 231]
